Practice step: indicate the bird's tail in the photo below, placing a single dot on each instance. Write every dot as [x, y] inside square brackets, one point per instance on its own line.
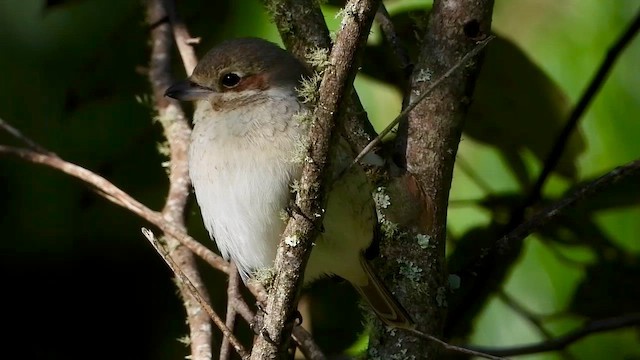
[384, 304]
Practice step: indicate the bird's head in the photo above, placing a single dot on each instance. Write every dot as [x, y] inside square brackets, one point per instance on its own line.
[239, 70]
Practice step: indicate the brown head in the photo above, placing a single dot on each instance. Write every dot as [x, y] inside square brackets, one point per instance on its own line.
[239, 66]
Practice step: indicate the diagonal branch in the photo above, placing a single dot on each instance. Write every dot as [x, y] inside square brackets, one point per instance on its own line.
[593, 327]
[554, 210]
[432, 86]
[197, 295]
[107, 190]
[587, 97]
[291, 259]
[114, 194]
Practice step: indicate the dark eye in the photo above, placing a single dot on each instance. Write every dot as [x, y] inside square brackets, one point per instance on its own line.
[230, 80]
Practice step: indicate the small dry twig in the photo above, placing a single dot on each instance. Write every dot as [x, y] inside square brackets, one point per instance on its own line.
[388, 29]
[554, 210]
[194, 292]
[592, 327]
[460, 349]
[367, 149]
[183, 40]
[232, 295]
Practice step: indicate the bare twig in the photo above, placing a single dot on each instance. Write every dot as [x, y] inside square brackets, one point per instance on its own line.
[551, 212]
[18, 135]
[291, 260]
[107, 190]
[194, 292]
[177, 130]
[432, 86]
[460, 349]
[533, 319]
[233, 296]
[561, 141]
[184, 41]
[112, 193]
[593, 327]
[466, 168]
[388, 29]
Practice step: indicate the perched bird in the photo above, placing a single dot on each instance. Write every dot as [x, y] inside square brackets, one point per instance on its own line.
[244, 156]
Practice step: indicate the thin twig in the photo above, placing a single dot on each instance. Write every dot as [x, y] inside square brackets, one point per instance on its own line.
[160, 248]
[112, 193]
[422, 96]
[593, 327]
[561, 141]
[177, 131]
[555, 209]
[107, 190]
[466, 168]
[533, 319]
[388, 29]
[18, 135]
[460, 349]
[230, 321]
[183, 40]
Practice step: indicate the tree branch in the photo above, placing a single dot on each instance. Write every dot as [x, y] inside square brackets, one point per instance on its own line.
[483, 273]
[551, 212]
[177, 130]
[428, 143]
[302, 28]
[112, 193]
[458, 349]
[183, 40]
[593, 327]
[291, 260]
[232, 296]
[197, 295]
[432, 86]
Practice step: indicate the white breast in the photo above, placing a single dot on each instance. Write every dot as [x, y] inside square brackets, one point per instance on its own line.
[241, 165]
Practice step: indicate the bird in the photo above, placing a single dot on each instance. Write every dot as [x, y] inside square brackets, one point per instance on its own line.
[244, 159]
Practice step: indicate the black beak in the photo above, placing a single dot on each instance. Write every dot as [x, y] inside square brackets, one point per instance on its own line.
[187, 90]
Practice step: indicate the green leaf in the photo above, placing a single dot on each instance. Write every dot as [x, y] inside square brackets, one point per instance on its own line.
[517, 107]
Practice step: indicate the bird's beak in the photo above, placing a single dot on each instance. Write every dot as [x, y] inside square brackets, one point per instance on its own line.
[187, 90]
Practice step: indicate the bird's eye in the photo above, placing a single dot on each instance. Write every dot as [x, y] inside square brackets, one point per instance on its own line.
[230, 80]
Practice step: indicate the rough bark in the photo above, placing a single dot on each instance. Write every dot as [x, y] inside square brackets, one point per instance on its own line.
[428, 143]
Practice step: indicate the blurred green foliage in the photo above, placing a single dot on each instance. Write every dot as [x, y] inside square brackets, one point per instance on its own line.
[73, 79]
